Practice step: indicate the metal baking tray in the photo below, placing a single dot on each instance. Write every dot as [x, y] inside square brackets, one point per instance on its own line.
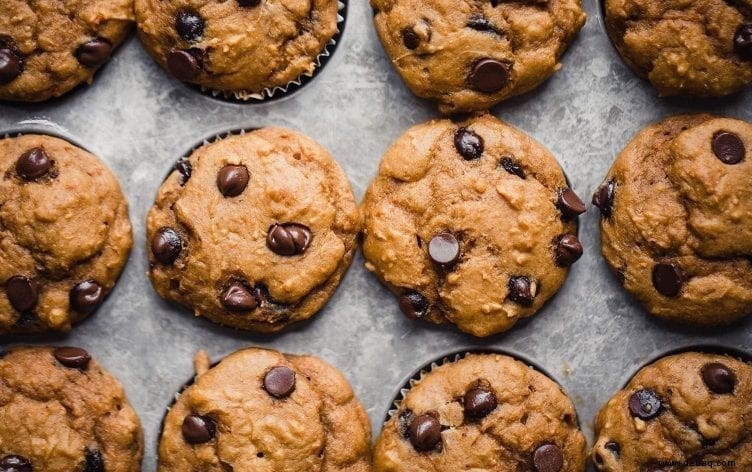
[591, 337]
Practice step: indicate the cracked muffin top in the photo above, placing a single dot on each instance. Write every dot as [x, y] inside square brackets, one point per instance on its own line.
[485, 412]
[242, 46]
[61, 411]
[264, 411]
[676, 225]
[690, 406]
[471, 223]
[685, 47]
[472, 54]
[253, 231]
[47, 47]
[64, 233]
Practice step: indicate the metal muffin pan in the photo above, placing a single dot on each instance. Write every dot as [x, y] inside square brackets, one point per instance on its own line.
[590, 337]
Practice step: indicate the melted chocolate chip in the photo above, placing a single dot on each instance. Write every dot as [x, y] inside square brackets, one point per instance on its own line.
[568, 250]
[511, 166]
[249, 3]
[569, 203]
[718, 378]
[444, 249]
[94, 53]
[413, 305]
[33, 164]
[490, 75]
[279, 382]
[237, 297]
[184, 65]
[728, 147]
[166, 245]
[645, 404]
[743, 41]
[185, 168]
[189, 25]
[548, 458]
[22, 293]
[72, 357]
[522, 290]
[667, 279]
[480, 23]
[11, 66]
[94, 461]
[468, 144]
[289, 239]
[479, 402]
[86, 296]
[604, 197]
[232, 180]
[410, 38]
[15, 463]
[614, 448]
[425, 432]
[198, 429]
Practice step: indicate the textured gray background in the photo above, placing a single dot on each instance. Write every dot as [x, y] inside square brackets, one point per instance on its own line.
[591, 337]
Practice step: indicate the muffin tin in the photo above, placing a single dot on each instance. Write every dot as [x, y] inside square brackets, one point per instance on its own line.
[590, 337]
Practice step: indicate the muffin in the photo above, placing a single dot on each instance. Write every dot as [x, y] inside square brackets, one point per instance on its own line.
[482, 412]
[61, 411]
[470, 223]
[246, 48]
[676, 225]
[472, 55]
[253, 231]
[48, 47]
[693, 47]
[262, 410]
[64, 234]
[686, 407]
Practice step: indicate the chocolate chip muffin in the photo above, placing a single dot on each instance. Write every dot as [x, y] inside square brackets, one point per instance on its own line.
[64, 233]
[248, 48]
[694, 47]
[61, 411]
[262, 410]
[675, 226]
[686, 407]
[482, 412]
[471, 55]
[253, 231]
[48, 47]
[470, 223]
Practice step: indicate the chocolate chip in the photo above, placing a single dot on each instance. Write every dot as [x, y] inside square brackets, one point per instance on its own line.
[185, 168]
[86, 296]
[249, 3]
[198, 429]
[569, 203]
[568, 250]
[480, 23]
[614, 448]
[522, 290]
[22, 293]
[548, 458]
[410, 38]
[719, 378]
[15, 463]
[645, 404]
[728, 147]
[490, 75]
[184, 65]
[479, 402]
[11, 66]
[444, 248]
[33, 164]
[237, 297]
[743, 41]
[232, 180]
[166, 245]
[189, 25]
[604, 197]
[425, 432]
[468, 144]
[289, 239]
[279, 382]
[94, 461]
[511, 166]
[413, 305]
[667, 279]
[94, 53]
[72, 357]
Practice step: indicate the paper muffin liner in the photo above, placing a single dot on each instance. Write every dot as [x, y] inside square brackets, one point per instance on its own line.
[417, 376]
[273, 93]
